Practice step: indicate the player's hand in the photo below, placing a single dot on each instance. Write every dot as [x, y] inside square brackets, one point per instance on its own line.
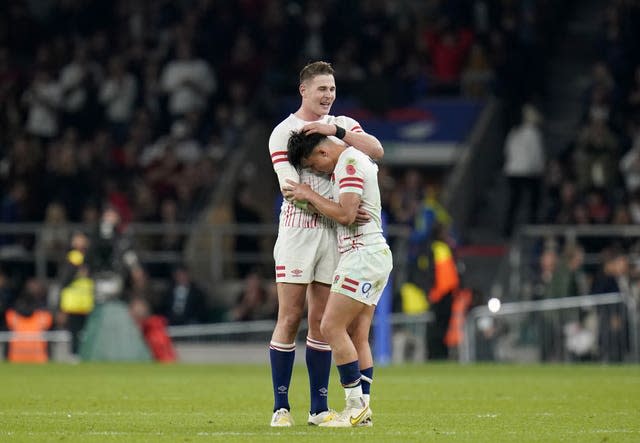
[362, 217]
[297, 191]
[320, 128]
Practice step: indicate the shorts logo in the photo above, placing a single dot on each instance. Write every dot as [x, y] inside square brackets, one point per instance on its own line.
[336, 278]
[350, 285]
[296, 272]
[366, 287]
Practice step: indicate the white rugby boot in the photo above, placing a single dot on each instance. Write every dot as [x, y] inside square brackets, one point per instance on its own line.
[281, 418]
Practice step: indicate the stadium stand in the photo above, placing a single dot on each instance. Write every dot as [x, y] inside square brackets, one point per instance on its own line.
[161, 110]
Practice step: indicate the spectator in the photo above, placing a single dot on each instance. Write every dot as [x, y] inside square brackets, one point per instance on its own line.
[55, 232]
[180, 141]
[630, 162]
[612, 319]
[548, 323]
[65, 179]
[596, 154]
[44, 99]
[569, 278]
[187, 147]
[79, 80]
[548, 265]
[448, 49]
[524, 167]
[256, 302]
[188, 81]
[477, 74]
[185, 303]
[118, 94]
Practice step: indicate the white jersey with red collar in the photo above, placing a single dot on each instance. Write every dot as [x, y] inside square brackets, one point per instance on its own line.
[356, 172]
[290, 215]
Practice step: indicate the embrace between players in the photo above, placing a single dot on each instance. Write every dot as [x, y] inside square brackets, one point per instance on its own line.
[330, 251]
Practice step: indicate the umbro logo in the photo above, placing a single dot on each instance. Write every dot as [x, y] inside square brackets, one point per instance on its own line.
[282, 389]
[323, 392]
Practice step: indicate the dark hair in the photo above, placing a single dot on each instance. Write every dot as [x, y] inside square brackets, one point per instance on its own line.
[300, 146]
[315, 68]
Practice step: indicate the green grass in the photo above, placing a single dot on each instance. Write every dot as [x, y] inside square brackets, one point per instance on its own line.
[433, 402]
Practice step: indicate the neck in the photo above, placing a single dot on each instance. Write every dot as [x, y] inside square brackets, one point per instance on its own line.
[336, 150]
[339, 149]
[307, 115]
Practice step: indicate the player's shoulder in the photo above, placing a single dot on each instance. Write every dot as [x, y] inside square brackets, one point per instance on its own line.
[281, 133]
[352, 156]
[349, 123]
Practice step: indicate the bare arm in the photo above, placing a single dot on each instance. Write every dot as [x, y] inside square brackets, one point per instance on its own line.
[362, 141]
[366, 143]
[344, 211]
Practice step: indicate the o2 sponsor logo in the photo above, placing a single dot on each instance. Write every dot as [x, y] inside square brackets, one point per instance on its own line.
[365, 288]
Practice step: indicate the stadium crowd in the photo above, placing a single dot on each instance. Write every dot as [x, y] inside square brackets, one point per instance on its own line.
[594, 181]
[136, 105]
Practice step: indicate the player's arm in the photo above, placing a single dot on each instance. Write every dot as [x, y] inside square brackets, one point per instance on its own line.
[278, 152]
[364, 142]
[353, 136]
[344, 211]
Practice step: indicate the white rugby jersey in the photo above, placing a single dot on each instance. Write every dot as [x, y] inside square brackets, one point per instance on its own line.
[356, 172]
[290, 215]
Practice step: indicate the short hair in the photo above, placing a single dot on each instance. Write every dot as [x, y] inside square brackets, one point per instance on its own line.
[301, 145]
[315, 68]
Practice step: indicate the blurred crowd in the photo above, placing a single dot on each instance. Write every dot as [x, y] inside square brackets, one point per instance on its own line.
[596, 179]
[134, 106]
[593, 181]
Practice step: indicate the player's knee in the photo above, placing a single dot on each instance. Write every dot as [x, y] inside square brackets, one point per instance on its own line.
[327, 329]
[314, 322]
[290, 321]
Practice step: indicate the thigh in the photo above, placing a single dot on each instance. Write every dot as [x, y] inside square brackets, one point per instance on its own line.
[341, 311]
[303, 255]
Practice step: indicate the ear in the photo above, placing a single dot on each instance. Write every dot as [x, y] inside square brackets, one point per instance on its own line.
[302, 89]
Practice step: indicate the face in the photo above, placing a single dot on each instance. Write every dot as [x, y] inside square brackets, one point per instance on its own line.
[319, 161]
[318, 94]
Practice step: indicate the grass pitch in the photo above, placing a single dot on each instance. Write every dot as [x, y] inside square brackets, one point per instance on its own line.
[232, 403]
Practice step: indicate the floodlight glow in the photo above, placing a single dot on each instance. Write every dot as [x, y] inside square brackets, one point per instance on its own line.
[494, 305]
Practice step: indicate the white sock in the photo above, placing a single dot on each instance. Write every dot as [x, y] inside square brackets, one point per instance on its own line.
[367, 398]
[354, 397]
